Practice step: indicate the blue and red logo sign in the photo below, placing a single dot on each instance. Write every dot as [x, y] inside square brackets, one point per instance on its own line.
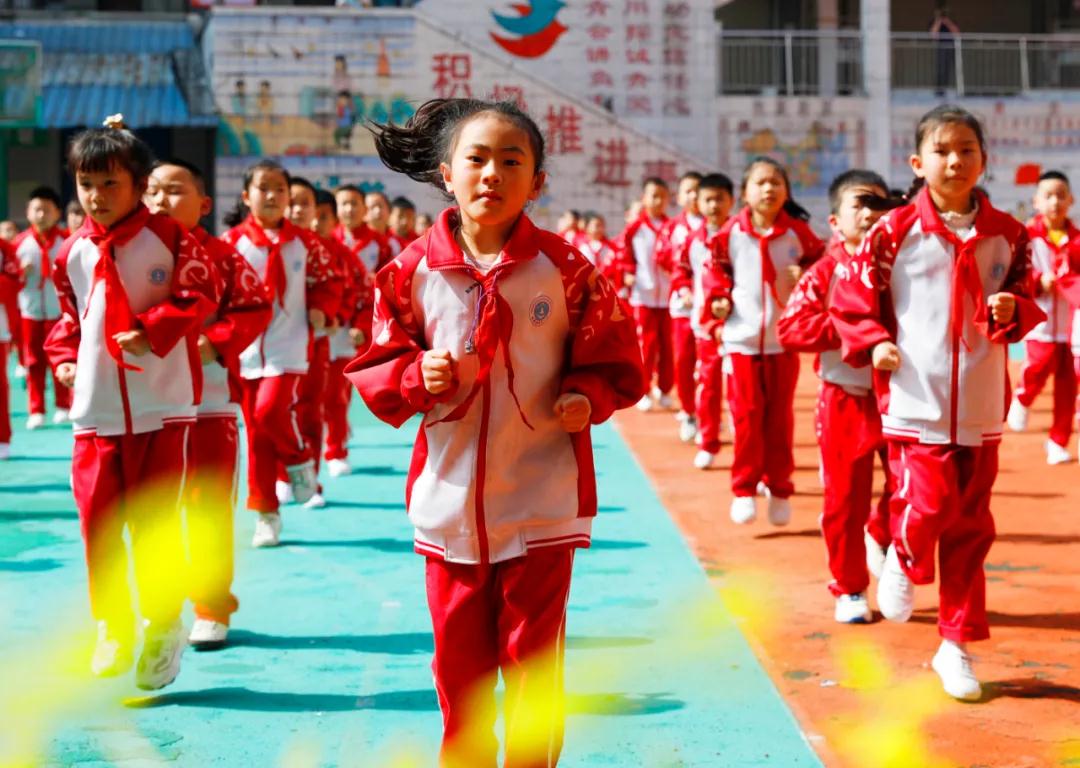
[536, 28]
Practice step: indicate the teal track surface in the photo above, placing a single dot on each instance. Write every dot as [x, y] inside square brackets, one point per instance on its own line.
[329, 661]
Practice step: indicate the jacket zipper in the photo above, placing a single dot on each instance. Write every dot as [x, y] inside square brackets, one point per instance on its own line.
[481, 471]
[124, 399]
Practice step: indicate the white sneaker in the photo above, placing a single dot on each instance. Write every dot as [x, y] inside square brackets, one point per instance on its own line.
[267, 530]
[688, 430]
[953, 665]
[283, 491]
[853, 609]
[5, 451]
[743, 509]
[208, 635]
[303, 481]
[762, 489]
[779, 511]
[338, 467]
[318, 501]
[159, 663]
[704, 459]
[61, 416]
[1056, 454]
[35, 421]
[645, 404]
[895, 592]
[1018, 416]
[875, 555]
[20, 371]
[111, 656]
[665, 402]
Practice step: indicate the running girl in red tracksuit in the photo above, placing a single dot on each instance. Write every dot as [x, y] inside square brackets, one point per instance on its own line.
[938, 289]
[510, 344]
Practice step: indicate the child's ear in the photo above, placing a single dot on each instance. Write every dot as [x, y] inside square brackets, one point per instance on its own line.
[834, 224]
[207, 206]
[539, 180]
[444, 169]
[916, 165]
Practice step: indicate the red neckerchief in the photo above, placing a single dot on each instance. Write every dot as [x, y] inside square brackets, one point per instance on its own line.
[45, 242]
[275, 264]
[1040, 229]
[118, 315]
[780, 226]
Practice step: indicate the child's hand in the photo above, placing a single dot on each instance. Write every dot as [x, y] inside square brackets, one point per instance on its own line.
[207, 352]
[357, 337]
[437, 368]
[886, 356]
[1047, 281]
[133, 342]
[1002, 307]
[718, 334]
[629, 280]
[686, 298]
[317, 318]
[721, 308]
[794, 272]
[65, 374]
[573, 411]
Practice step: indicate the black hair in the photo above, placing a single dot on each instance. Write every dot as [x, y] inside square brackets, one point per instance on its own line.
[381, 194]
[654, 180]
[855, 177]
[934, 119]
[46, 193]
[74, 206]
[349, 188]
[196, 174]
[325, 197]
[791, 208]
[403, 203]
[99, 150]
[590, 216]
[1055, 176]
[428, 138]
[717, 181]
[693, 175]
[300, 181]
[239, 212]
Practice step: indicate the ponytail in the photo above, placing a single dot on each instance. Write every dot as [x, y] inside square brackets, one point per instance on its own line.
[916, 184]
[794, 210]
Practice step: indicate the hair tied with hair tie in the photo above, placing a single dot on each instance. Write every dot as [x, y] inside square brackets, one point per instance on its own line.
[116, 122]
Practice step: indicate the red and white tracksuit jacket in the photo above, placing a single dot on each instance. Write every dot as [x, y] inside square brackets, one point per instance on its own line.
[398, 243]
[372, 248]
[39, 308]
[540, 323]
[649, 296]
[1048, 345]
[750, 269]
[601, 254]
[848, 424]
[673, 236]
[916, 283]
[9, 289]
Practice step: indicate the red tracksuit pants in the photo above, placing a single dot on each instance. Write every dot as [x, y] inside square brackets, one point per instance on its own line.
[1044, 358]
[273, 435]
[849, 433]
[5, 395]
[508, 617]
[943, 504]
[135, 480]
[761, 395]
[338, 395]
[654, 337]
[33, 340]
[685, 347]
[710, 394]
[310, 410]
[209, 501]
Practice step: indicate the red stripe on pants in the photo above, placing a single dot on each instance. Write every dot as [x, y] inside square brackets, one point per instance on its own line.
[134, 480]
[508, 617]
[943, 504]
[272, 435]
[761, 395]
[710, 394]
[654, 337]
[338, 395]
[1044, 358]
[849, 433]
[209, 502]
[5, 395]
[34, 333]
[685, 348]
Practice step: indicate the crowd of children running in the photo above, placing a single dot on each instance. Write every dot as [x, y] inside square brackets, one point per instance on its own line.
[510, 341]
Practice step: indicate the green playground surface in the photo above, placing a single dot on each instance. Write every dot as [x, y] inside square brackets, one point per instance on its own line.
[330, 653]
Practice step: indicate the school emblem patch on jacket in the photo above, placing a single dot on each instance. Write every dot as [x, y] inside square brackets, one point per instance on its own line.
[158, 275]
[540, 310]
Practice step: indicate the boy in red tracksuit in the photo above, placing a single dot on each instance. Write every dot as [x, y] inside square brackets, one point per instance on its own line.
[650, 291]
[9, 288]
[39, 307]
[354, 232]
[178, 189]
[402, 223]
[715, 199]
[600, 251]
[847, 422]
[673, 235]
[134, 290]
[1055, 259]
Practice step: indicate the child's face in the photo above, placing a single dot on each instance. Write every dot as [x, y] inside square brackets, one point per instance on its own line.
[633, 211]
[42, 214]
[301, 206]
[714, 204]
[595, 229]
[351, 208]
[423, 224]
[75, 220]
[1053, 199]
[8, 230]
[654, 200]
[402, 221]
[171, 190]
[951, 161]
[325, 220]
[492, 171]
[852, 219]
[107, 197]
[566, 222]
[267, 196]
[765, 191]
[378, 212]
[688, 194]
